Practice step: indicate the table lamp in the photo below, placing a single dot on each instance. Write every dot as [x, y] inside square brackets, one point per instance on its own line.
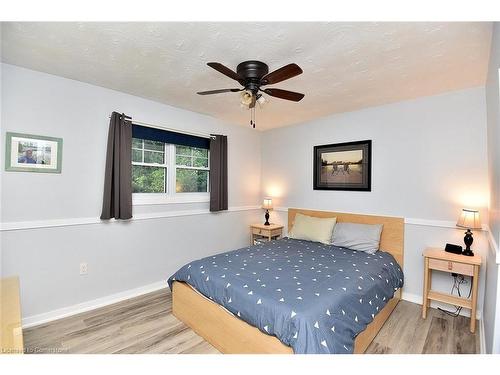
[268, 205]
[469, 219]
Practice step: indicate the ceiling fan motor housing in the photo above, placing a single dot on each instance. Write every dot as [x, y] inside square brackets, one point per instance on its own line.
[252, 71]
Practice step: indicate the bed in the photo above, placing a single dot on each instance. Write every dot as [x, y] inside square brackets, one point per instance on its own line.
[293, 296]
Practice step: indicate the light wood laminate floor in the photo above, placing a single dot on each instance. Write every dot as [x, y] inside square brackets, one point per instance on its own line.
[146, 325]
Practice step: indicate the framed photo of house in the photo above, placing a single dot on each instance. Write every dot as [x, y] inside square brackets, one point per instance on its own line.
[343, 166]
[32, 153]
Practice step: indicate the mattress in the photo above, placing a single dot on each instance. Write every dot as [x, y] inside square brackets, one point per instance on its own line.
[313, 297]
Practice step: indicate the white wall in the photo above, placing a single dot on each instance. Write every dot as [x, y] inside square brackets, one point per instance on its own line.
[493, 120]
[120, 256]
[428, 161]
[492, 300]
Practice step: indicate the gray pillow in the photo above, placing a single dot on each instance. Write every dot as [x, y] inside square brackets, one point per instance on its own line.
[359, 237]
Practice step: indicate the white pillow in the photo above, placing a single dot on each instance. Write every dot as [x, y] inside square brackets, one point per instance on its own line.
[359, 237]
[312, 228]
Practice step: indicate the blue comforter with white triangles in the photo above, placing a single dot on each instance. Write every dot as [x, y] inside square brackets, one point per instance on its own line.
[313, 297]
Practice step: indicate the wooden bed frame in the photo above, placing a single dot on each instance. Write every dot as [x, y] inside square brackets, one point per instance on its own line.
[231, 335]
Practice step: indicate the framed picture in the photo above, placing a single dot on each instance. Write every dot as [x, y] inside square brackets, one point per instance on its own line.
[343, 166]
[32, 153]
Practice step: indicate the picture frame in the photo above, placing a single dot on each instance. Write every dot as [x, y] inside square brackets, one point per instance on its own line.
[33, 153]
[343, 166]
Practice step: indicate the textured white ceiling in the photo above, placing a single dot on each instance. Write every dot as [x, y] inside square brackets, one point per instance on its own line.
[346, 66]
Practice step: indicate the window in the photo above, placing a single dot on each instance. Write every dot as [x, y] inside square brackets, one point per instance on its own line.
[164, 172]
[149, 166]
[191, 169]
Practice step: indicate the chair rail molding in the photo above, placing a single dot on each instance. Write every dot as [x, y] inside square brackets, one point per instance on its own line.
[50, 223]
[408, 220]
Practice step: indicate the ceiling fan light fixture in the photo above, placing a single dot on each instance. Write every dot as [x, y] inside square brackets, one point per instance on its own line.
[261, 99]
[246, 98]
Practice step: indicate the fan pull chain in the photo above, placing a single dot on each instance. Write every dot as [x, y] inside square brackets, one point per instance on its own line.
[252, 117]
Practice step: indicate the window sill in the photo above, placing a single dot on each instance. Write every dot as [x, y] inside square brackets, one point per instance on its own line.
[151, 199]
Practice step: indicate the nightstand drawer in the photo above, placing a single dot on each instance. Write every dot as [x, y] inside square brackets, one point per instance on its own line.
[260, 231]
[449, 266]
[276, 232]
[267, 232]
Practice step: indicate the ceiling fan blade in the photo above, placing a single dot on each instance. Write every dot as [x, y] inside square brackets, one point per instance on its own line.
[218, 91]
[286, 72]
[225, 70]
[284, 94]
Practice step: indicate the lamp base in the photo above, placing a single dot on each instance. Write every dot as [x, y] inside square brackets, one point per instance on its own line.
[267, 218]
[468, 252]
[468, 240]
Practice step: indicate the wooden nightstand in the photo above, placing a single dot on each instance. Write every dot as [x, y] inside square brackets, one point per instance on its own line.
[268, 232]
[438, 259]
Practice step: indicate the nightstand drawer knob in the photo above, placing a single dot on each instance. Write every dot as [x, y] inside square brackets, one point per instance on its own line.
[450, 266]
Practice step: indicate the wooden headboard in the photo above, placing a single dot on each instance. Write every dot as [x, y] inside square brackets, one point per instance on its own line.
[391, 241]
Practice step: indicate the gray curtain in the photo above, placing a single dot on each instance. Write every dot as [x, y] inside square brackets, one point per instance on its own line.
[218, 173]
[117, 200]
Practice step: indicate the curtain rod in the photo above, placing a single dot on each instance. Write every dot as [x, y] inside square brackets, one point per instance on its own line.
[203, 135]
[162, 127]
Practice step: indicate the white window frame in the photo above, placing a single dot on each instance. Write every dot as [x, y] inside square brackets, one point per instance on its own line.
[174, 157]
[170, 196]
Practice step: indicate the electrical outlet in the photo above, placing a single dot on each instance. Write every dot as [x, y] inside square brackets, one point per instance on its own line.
[83, 268]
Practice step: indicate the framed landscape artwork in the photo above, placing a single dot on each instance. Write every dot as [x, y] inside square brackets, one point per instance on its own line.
[343, 166]
[32, 153]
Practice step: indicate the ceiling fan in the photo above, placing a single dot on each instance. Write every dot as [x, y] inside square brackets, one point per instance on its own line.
[252, 75]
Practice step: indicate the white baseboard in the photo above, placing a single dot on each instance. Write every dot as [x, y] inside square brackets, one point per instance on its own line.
[64, 312]
[410, 297]
[417, 298]
[482, 338]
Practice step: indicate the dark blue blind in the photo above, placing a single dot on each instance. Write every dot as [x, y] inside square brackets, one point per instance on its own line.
[153, 134]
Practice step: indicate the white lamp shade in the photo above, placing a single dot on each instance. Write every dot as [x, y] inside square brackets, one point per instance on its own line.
[267, 204]
[469, 219]
[246, 98]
